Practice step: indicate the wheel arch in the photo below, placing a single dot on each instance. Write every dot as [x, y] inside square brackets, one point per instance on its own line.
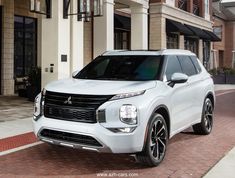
[211, 96]
[163, 110]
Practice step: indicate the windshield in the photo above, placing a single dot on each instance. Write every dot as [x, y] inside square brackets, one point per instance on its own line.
[130, 68]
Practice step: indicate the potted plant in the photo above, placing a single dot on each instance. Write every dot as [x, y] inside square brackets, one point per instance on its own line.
[34, 83]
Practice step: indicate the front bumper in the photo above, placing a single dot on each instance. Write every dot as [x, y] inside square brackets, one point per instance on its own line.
[111, 142]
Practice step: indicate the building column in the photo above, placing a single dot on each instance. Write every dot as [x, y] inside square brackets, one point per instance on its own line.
[139, 27]
[55, 47]
[76, 41]
[157, 39]
[181, 41]
[7, 65]
[200, 50]
[104, 29]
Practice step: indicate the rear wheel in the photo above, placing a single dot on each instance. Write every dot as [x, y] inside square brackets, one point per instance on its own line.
[156, 143]
[206, 124]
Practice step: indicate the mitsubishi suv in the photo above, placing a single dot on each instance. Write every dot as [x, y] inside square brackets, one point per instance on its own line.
[127, 102]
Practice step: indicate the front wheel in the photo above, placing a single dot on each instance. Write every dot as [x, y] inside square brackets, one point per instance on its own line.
[205, 126]
[156, 143]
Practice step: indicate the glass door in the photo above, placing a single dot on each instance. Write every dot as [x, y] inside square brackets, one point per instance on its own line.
[25, 45]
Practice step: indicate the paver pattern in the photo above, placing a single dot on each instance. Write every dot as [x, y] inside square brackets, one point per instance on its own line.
[17, 141]
[188, 155]
[13, 107]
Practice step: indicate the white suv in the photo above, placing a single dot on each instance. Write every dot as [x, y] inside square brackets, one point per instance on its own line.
[127, 102]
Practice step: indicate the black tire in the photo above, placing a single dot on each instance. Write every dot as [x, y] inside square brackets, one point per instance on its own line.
[155, 146]
[206, 124]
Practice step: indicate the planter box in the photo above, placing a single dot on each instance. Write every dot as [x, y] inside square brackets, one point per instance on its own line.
[230, 79]
[219, 79]
[224, 79]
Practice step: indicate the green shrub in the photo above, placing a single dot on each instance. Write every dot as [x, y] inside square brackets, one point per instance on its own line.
[224, 70]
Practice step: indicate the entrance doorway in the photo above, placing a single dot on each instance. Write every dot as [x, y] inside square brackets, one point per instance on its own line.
[25, 45]
[221, 58]
[0, 50]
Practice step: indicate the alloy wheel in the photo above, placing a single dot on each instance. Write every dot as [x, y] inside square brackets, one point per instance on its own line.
[208, 115]
[158, 140]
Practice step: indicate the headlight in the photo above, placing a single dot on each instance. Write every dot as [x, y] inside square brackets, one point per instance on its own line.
[38, 105]
[127, 95]
[37, 101]
[128, 114]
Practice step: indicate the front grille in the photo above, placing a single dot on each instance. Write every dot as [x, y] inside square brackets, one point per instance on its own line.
[70, 137]
[72, 107]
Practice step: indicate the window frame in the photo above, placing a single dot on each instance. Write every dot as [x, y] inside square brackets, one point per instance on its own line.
[172, 37]
[188, 41]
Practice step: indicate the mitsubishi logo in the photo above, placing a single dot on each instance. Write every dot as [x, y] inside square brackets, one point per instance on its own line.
[69, 100]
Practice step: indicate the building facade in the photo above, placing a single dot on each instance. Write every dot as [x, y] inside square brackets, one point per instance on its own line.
[62, 45]
[224, 27]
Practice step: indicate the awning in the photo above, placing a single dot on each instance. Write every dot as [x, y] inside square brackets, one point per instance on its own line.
[188, 30]
[213, 36]
[199, 32]
[173, 26]
[122, 22]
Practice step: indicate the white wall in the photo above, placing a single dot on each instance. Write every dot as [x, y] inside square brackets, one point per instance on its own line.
[60, 36]
[170, 2]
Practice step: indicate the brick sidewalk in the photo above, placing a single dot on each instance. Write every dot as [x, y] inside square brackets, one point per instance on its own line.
[188, 155]
[17, 141]
[13, 107]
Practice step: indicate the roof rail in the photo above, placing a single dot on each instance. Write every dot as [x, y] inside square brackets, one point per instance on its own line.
[113, 51]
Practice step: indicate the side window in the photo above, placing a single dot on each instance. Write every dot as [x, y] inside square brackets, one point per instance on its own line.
[196, 64]
[173, 66]
[187, 65]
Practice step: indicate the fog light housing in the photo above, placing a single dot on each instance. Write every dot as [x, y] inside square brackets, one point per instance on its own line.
[123, 130]
[128, 114]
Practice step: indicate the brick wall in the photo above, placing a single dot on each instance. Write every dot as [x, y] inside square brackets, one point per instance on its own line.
[157, 39]
[22, 8]
[229, 43]
[8, 48]
[220, 45]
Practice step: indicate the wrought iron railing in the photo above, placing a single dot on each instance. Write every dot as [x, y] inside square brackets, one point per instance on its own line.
[182, 4]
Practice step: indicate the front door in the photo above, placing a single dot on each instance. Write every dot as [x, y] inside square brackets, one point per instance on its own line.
[0, 49]
[25, 49]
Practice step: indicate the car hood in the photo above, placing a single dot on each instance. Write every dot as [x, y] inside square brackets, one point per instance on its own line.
[98, 87]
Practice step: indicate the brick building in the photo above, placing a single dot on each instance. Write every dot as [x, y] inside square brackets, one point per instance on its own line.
[224, 27]
[62, 45]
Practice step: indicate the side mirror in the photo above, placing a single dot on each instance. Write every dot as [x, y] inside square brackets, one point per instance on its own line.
[75, 73]
[178, 78]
